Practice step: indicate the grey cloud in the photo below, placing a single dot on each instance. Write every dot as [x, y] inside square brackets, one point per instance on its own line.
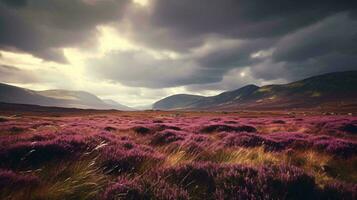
[234, 54]
[205, 65]
[327, 46]
[230, 81]
[181, 25]
[140, 69]
[335, 34]
[292, 71]
[42, 27]
[305, 36]
[243, 18]
[331, 62]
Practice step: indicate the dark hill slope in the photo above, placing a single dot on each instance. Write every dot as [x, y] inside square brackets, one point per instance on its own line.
[56, 98]
[335, 88]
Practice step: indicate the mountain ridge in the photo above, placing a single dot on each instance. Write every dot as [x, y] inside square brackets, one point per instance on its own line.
[309, 92]
[56, 98]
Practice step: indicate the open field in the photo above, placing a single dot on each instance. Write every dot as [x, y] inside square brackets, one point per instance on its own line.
[78, 154]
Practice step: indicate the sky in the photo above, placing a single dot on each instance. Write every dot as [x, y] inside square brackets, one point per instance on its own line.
[139, 51]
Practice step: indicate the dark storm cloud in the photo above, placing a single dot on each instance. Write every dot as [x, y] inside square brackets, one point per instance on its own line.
[234, 54]
[305, 37]
[215, 39]
[335, 34]
[326, 46]
[293, 71]
[243, 18]
[42, 27]
[14, 3]
[188, 20]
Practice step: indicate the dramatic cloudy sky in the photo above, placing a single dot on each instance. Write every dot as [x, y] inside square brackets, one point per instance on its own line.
[138, 51]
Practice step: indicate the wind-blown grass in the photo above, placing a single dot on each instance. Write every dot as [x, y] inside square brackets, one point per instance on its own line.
[178, 156]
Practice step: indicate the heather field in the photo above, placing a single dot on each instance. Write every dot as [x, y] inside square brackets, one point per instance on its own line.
[178, 155]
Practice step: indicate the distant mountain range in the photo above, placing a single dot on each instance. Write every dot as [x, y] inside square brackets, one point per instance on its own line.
[337, 89]
[333, 89]
[57, 98]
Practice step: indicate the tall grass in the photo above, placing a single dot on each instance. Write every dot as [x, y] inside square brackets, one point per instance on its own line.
[177, 157]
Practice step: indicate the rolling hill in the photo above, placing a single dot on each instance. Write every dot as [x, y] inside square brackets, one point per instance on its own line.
[339, 88]
[57, 98]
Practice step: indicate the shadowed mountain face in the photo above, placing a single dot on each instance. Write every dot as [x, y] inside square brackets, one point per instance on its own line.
[177, 101]
[226, 97]
[335, 88]
[58, 98]
[12, 94]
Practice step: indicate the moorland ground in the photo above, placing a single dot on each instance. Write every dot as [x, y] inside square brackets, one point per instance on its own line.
[78, 154]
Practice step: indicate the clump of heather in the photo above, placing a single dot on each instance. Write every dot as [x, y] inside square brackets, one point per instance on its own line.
[12, 180]
[166, 137]
[32, 154]
[197, 144]
[334, 126]
[162, 127]
[278, 121]
[243, 140]
[160, 189]
[136, 189]
[297, 141]
[349, 128]
[124, 189]
[337, 190]
[335, 146]
[195, 178]
[16, 130]
[116, 160]
[17, 186]
[110, 128]
[227, 128]
[214, 181]
[141, 130]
